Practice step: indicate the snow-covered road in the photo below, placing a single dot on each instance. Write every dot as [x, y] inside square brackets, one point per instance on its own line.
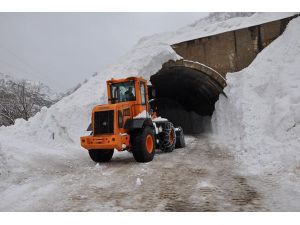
[200, 177]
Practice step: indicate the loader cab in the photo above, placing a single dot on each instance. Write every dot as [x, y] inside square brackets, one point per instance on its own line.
[132, 91]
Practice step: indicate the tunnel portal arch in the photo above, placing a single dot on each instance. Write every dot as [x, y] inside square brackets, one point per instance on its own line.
[186, 93]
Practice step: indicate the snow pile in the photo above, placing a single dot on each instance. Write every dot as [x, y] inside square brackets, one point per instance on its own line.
[261, 116]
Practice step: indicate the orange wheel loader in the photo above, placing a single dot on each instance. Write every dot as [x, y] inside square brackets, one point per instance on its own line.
[128, 123]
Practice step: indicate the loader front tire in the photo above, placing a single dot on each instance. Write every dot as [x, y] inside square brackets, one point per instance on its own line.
[100, 155]
[143, 145]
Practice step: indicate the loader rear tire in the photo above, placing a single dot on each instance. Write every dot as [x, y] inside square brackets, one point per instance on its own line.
[100, 155]
[180, 141]
[167, 138]
[143, 145]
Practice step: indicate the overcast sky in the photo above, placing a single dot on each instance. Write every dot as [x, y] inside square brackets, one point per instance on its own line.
[62, 49]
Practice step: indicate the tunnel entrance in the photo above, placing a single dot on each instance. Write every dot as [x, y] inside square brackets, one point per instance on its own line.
[186, 93]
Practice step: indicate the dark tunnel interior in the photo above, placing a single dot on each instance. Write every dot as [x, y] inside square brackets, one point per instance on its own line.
[186, 97]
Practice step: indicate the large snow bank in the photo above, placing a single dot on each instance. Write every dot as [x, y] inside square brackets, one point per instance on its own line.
[261, 116]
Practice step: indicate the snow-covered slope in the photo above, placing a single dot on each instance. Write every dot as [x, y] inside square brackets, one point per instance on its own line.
[261, 116]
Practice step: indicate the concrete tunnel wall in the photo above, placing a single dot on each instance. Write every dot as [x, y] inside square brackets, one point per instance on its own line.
[233, 50]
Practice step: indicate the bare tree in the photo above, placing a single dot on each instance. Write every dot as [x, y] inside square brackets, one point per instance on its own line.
[20, 100]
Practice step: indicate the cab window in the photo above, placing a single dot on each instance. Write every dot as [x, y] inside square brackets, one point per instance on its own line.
[143, 93]
[123, 92]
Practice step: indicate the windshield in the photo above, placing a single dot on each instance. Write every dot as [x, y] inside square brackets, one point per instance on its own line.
[122, 92]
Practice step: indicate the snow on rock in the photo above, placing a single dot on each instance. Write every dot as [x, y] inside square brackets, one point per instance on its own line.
[260, 119]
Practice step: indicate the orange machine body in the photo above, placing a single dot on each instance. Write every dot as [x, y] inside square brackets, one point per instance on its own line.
[121, 111]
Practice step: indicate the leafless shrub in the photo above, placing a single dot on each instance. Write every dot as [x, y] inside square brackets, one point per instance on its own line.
[20, 100]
